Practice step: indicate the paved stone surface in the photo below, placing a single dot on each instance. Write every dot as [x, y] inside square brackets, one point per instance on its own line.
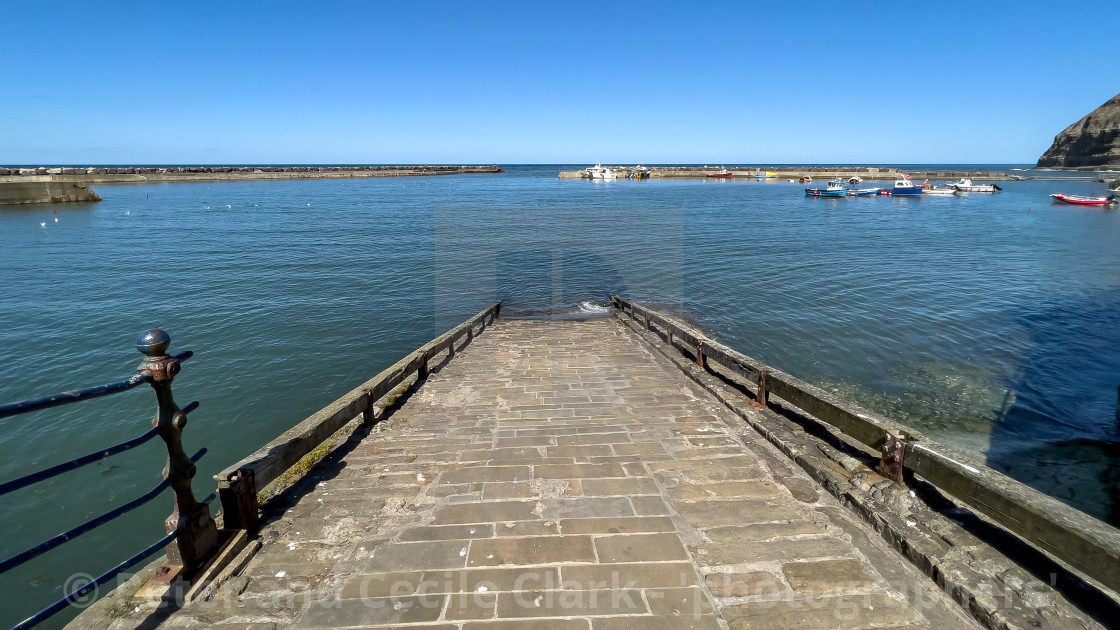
[561, 476]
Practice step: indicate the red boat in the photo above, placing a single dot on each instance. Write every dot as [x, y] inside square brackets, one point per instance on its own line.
[721, 174]
[1085, 201]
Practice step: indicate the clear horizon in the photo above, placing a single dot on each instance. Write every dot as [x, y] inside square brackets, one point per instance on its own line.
[360, 83]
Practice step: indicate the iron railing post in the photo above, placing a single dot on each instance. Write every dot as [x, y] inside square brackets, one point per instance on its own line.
[198, 536]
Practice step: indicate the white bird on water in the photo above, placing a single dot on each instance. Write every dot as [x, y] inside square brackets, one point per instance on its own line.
[228, 206]
[56, 219]
[128, 212]
[43, 224]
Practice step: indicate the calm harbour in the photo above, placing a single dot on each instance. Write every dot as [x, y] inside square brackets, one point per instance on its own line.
[990, 322]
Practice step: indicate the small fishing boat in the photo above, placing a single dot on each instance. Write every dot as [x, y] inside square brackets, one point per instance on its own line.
[855, 180]
[864, 192]
[1079, 200]
[721, 174]
[805, 179]
[765, 175]
[601, 172]
[966, 185]
[943, 192]
[903, 186]
[639, 172]
[834, 188]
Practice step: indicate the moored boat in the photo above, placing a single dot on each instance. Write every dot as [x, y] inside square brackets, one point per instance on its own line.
[855, 179]
[903, 186]
[639, 172]
[943, 192]
[834, 188]
[601, 172]
[1079, 200]
[966, 185]
[765, 175]
[722, 173]
[864, 192]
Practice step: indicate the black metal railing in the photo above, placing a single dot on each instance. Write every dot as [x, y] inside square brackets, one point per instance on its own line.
[192, 536]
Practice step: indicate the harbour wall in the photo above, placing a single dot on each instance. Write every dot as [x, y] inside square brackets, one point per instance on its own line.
[21, 192]
[145, 175]
[817, 173]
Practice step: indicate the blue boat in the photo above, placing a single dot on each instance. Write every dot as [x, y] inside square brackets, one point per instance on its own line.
[864, 192]
[835, 188]
[903, 186]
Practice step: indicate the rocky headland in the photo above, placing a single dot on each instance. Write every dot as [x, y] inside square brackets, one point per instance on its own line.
[1092, 142]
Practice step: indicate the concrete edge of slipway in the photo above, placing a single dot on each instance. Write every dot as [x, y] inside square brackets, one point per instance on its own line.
[983, 580]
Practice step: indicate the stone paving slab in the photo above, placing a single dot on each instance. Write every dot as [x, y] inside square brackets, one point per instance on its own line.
[561, 476]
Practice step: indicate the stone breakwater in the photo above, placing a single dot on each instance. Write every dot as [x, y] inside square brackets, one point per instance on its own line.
[13, 193]
[820, 173]
[64, 184]
[127, 174]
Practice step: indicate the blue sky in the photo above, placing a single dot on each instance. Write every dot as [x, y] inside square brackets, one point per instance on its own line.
[482, 82]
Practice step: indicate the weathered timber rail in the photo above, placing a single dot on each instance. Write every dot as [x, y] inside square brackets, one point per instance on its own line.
[239, 484]
[1081, 541]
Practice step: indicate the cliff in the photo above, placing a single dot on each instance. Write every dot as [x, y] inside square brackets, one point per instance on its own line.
[1090, 142]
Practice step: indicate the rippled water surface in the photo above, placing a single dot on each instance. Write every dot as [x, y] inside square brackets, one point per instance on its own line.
[991, 322]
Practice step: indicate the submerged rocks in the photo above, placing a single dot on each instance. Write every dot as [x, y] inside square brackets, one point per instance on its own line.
[1092, 141]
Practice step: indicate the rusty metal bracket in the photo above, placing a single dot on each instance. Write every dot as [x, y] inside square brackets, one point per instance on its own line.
[893, 452]
[669, 334]
[367, 413]
[422, 371]
[647, 322]
[239, 501]
[700, 354]
[761, 398]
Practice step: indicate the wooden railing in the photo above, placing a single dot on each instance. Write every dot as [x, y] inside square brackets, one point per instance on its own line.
[238, 484]
[1072, 536]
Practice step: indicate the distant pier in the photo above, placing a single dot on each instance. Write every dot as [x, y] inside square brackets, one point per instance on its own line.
[822, 173]
[66, 184]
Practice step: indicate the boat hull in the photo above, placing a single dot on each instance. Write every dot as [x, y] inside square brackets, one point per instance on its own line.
[902, 192]
[1084, 201]
[865, 192]
[820, 192]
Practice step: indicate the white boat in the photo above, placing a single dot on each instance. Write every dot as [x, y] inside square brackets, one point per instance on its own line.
[855, 179]
[966, 185]
[944, 192]
[903, 186]
[601, 172]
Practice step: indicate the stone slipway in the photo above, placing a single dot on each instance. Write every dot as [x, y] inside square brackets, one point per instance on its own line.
[563, 475]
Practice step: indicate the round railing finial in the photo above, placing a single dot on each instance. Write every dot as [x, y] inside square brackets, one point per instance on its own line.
[153, 343]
